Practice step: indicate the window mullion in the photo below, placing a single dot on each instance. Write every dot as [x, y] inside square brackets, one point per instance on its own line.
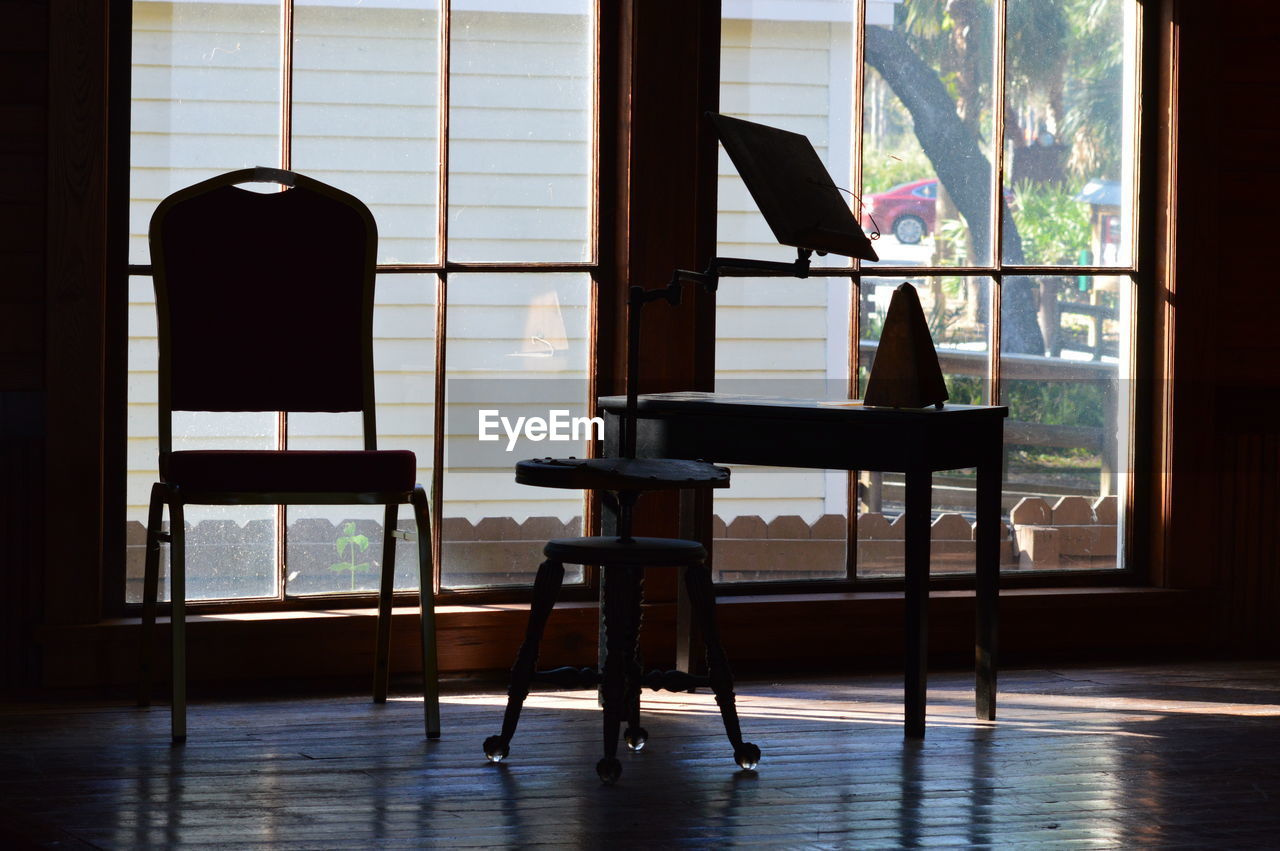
[997, 195]
[438, 430]
[442, 133]
[442, 291]
[855, 179]
[286, 84]
[286, 162]
[854, 359]
[994, 346]
[997, 279]
[593, 198]
[998, 143]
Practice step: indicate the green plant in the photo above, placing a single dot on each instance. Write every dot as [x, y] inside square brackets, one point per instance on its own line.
[347, 545]
[1070, 402]
[966, 390]
[883, 169]
[872, 326]
[1054, 226]
[951, 240]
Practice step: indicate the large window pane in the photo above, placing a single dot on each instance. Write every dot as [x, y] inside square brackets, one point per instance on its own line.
[206, 99]
[787, 70]
[782, 337]
[1066, 446]
[520, 131]
[338, 548]
[230, 550]
[365, 101]
[957, 310]
[1069, 131]
[927, 173]
[518, 349]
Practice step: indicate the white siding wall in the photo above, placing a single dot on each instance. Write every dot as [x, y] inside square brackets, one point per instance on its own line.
[782, 336]
[206, 99]
[520, 133]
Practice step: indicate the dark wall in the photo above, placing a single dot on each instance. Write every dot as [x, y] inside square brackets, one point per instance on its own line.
[24, 85]
[24, 75]
[1223, 518]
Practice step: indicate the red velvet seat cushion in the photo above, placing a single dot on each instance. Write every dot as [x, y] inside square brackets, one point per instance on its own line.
[291, 470]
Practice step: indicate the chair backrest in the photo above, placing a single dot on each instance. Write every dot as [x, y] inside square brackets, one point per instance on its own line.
[264, 300]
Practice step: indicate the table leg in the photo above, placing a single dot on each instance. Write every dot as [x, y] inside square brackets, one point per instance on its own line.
[988, 581]
[918, 498]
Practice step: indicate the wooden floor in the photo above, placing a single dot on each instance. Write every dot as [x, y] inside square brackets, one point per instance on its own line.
[1119, 757]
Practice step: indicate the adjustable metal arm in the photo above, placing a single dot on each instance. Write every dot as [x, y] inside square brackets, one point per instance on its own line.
[638, 297]
[734, 267]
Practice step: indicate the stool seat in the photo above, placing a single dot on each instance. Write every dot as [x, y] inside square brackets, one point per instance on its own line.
[637, 552]
[621, 474]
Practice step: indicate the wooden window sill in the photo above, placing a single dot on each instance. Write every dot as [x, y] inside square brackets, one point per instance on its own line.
[827, 631]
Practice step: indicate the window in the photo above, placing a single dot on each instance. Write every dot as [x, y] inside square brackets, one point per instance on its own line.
[471, 133]
[469, 129]
[993, 146]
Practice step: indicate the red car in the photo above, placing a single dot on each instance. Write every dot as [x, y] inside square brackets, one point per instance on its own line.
[906, 210]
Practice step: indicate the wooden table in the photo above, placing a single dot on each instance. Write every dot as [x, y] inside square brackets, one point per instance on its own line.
[780, 432]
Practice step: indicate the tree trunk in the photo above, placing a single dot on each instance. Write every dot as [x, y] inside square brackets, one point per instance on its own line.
[961, 166]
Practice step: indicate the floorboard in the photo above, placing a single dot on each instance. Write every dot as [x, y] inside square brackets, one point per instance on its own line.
[1183, 756]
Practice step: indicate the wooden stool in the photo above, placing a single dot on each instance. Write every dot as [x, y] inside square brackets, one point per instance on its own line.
[623, 560]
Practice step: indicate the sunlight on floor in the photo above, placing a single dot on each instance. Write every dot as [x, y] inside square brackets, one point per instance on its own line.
[1062, 714]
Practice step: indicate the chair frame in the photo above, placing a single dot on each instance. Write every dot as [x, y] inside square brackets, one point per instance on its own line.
[175, 498]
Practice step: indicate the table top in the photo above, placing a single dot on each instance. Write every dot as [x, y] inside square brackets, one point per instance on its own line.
[728, 404]
[810, 433]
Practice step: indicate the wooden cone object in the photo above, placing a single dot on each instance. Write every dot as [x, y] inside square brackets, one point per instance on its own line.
[905, 373]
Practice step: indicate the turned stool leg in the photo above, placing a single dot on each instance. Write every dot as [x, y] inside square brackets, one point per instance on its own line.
[546, 587]
[621, 626]
[702, 597]
[636, 736]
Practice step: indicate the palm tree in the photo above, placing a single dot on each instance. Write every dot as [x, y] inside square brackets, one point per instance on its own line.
[1093, 121]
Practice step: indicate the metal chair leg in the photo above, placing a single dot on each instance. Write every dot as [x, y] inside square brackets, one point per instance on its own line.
[150, 593]
[178, 619]
[703, 598]
[427, 616]
[546, 587]
[382, 646]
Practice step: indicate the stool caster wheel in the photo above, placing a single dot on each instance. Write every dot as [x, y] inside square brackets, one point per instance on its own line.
[609, 770]
[636, 738]
[495, 749]
[747, 756]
